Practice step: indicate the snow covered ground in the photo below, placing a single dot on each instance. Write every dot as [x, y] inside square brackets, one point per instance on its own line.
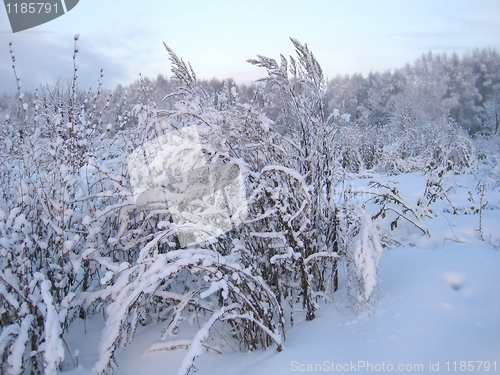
[436, 309]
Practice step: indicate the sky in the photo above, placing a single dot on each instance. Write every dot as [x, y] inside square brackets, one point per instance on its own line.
[125, 37]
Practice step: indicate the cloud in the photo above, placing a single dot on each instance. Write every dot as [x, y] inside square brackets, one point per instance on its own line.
[419, 34]
[46, 59]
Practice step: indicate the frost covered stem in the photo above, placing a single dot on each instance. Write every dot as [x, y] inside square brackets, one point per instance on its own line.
[17, 292]
[18, 82]
[482, 204]
[406, 218]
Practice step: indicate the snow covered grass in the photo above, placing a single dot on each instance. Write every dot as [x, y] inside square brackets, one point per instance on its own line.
[436, 306]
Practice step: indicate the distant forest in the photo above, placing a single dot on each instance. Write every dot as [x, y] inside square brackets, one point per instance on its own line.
[464, 88]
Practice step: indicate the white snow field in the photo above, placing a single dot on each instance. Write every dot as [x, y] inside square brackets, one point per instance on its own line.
[436, 309]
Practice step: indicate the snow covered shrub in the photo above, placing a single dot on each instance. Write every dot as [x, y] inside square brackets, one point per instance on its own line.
[319, 149]
[412, 145]
[449, 145]
[396, 210]
[58, 206]
[491, 116]
[488, 160]
[435, 187]
[283, 253]
[394, 206]
[217, 285]
[212, 286]
[358, 240]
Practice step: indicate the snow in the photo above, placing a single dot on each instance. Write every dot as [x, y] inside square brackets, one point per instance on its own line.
[434, 306]
[16, 356]
[196, 348]
[54, 351]
[367, 254]
[418, 319]
[214, 287]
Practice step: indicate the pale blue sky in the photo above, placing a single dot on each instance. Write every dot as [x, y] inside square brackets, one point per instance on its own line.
[124, 37]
